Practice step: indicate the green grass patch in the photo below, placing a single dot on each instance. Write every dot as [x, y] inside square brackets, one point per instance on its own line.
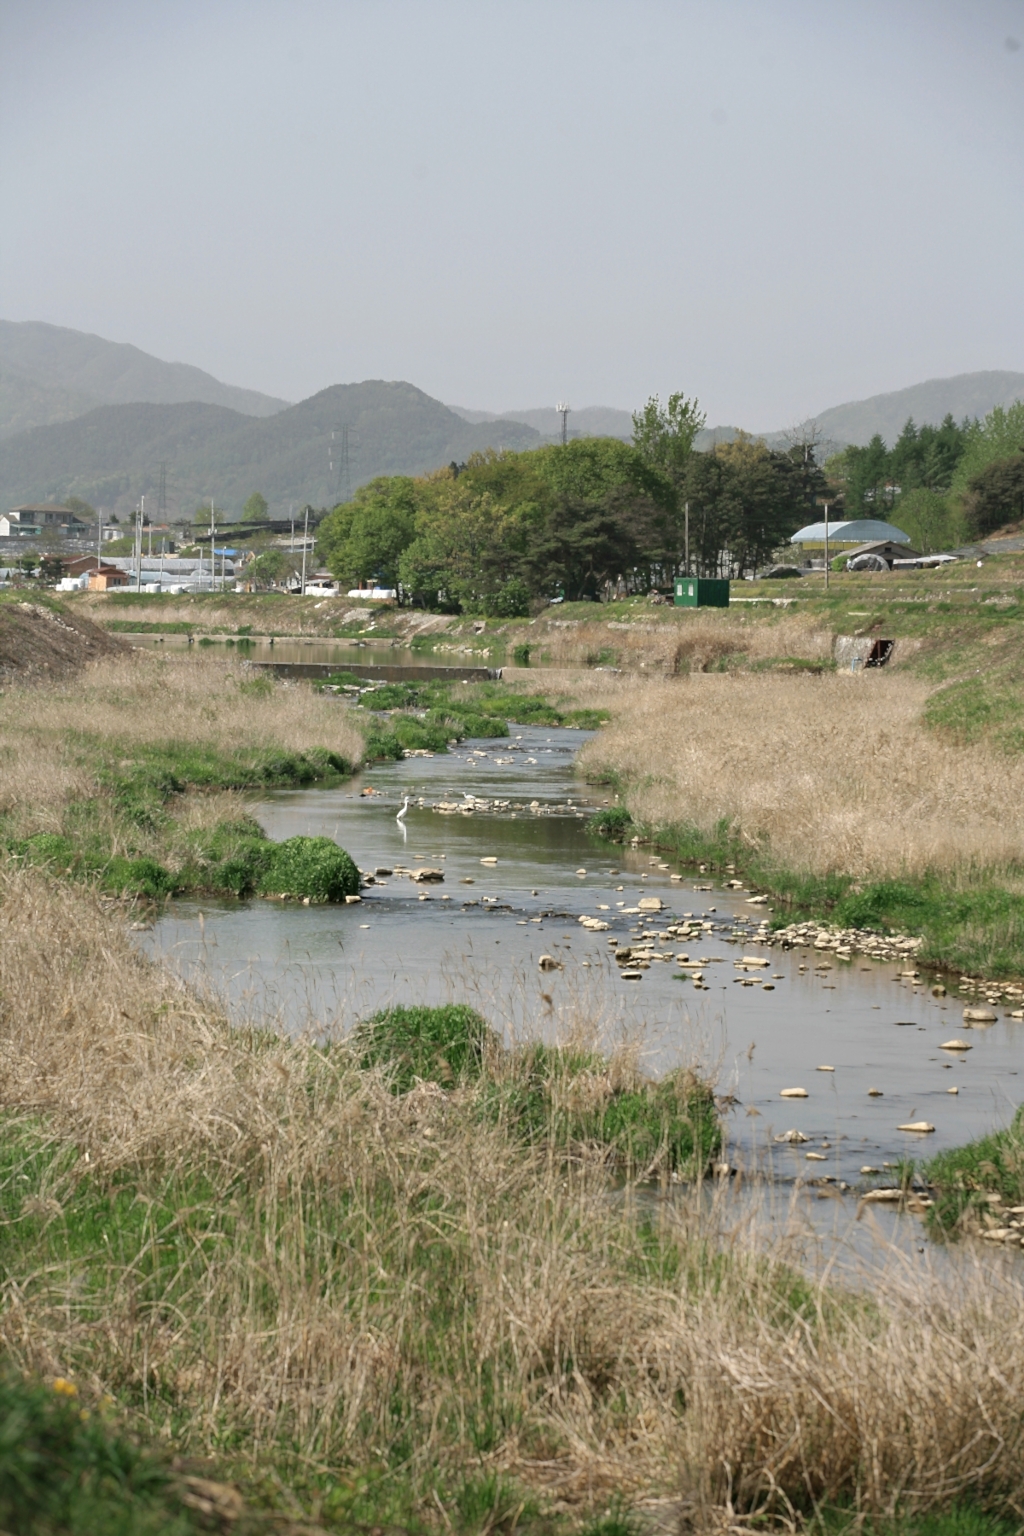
[309, 868]
[545, 1093]
[612, 823]
[445, 1045]
[67, 1469]
[429, 715]
[963, 1176]
[146, 627]
[133, 811]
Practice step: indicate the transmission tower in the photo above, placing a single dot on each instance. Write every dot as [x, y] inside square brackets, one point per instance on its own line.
[563, 411]
[339, 465]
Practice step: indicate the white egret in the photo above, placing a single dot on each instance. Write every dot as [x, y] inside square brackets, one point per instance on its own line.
[405, 807]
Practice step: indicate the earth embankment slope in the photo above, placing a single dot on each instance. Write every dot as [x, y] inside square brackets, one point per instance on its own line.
[47, 640]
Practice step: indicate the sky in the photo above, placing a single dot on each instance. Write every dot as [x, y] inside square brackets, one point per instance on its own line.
[772, 205]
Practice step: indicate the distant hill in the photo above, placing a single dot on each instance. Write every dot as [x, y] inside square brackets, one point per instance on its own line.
[50, 374]
[111, 456]
[589, 421]
[965, 394]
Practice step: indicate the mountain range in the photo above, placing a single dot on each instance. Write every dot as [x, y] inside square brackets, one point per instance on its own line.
[81, 416]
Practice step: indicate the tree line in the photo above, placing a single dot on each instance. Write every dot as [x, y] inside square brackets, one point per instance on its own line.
[943, 485]
[579, 521]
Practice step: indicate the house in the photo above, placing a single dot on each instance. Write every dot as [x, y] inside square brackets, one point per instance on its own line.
[886, 550]
[31, 520]
[106, 577]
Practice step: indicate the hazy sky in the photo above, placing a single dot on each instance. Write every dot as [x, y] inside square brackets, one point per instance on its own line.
[775, 205]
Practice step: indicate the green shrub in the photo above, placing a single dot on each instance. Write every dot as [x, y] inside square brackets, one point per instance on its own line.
[521, 655]
[611, 823]
[66, 1469]
[441, 1045]
[48, 848]
[137, 877]
[309, 866]
[511, 601]
[259, 687]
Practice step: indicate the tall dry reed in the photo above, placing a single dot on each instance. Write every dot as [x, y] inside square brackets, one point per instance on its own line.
[834, 773]
[677, 642]
[144, 700]
[292, 1256]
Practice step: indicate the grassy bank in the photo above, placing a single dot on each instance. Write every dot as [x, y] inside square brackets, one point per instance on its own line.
[384, 1283]
[837, 795]
[428, 716]
[976, 1185]
[134, 775]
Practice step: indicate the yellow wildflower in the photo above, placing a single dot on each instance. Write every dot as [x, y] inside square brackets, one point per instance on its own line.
[64, 1387]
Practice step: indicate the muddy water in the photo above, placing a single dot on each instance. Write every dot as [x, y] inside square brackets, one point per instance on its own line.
[479, 936]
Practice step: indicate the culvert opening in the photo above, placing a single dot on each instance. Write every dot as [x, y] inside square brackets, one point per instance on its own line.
[879, 653]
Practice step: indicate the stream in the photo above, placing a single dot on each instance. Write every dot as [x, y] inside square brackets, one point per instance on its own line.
[478, 937]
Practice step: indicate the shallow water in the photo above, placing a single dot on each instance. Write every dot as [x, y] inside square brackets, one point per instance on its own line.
[299, 650]
[479, 936]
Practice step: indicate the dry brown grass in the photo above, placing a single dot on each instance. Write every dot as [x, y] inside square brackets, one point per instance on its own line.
[684, 642]
[836, 773]
[301, 1258]
[144, 700]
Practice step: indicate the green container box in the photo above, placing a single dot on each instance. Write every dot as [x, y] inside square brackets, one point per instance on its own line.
[701, 592]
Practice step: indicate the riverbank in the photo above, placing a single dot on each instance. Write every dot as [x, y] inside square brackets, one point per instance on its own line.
[132, 774]
[369, 1307]
[835, 796]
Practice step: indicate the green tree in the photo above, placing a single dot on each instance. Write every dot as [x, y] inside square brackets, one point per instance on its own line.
[364, 539]
[932, 521]
[270, 568]
[999, 436]
[995, 496]
[664, 436]
[256, 509]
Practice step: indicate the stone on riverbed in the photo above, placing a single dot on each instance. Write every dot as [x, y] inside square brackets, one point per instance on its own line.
[793, 1137]
[427, 876]
[650, 904]
[793, 1093]
[921, 1126]
[956, 1045]
[980, 1016]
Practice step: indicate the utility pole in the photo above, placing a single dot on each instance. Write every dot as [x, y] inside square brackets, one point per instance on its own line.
[213, 551]
[826, 546]
[139, 512]
[305, 542]
[161, 505]
[563, 410]
[686, 513]
[291, 541]
[99, 539]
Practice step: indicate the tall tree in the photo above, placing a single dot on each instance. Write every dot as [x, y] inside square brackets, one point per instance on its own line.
[256, 509]
[664, 436]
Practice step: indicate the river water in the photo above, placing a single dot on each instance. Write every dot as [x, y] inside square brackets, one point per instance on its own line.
[478, 936]
[296, 649]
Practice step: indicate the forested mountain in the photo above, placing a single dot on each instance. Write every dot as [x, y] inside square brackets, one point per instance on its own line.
[111, 456]
[50, 374]
[964, 395]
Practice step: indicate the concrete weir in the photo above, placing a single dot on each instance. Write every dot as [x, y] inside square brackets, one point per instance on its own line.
[379, 672]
